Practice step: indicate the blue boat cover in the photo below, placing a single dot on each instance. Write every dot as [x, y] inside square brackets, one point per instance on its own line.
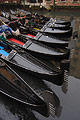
[1, 47]
[4, 53]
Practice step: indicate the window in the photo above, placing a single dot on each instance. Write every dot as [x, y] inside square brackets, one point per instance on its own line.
[75, 0]
[63, 0]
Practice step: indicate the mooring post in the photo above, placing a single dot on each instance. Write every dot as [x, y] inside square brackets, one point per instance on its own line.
[54, 5]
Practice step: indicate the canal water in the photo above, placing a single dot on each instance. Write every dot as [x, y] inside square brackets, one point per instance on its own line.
[66, 97]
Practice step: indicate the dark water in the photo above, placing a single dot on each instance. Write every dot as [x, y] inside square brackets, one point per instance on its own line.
[67, 96]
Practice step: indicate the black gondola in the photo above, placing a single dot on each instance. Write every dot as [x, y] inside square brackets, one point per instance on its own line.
[52, 23]
[8, 16]
[4, 19]
[57, 32]
[42, 17]
[39, 36]
[54, 31]
[59, 26]
[13, 86]
[30, 64]
[37, 49]
[40, 20]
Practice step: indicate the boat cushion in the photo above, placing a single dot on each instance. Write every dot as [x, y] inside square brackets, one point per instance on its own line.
[1, 47]
[36, 29]
[4, 53]
[16, 41]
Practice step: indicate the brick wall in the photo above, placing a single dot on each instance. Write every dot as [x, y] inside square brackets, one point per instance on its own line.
[67, 3]
[64, 3]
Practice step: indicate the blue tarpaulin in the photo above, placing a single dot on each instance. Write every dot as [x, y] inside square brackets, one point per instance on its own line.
[4, 53]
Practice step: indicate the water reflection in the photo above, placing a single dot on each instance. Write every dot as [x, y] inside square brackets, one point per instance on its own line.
[65, 87]
[55, 107]
[11, 110]
[75, 61]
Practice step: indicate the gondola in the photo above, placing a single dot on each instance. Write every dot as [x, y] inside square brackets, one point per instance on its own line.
[17, 12]
[37, 22]
[8, 16]
[39, 36]
[58, 26]
[4, 19]
[52, 23]
[14, 87]
[42, 17]
[30, 64]
[37, 49]
[56, 32]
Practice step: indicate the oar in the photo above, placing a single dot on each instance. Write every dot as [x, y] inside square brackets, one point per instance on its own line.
[3, 22]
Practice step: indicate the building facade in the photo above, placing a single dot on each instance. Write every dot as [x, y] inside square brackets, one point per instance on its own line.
[46, 2]
[57, 2]
[67, 2]
[9, 1]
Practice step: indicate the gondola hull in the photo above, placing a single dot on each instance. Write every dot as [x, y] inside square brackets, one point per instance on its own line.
[4, 19]
[57, 33]
[37, 70]
[46, 19]
[14, 87]
[37, 49]
[51, 41]
[58, 24]
[48, 39]
[41, 37]
[52, 23]
[30, 64]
